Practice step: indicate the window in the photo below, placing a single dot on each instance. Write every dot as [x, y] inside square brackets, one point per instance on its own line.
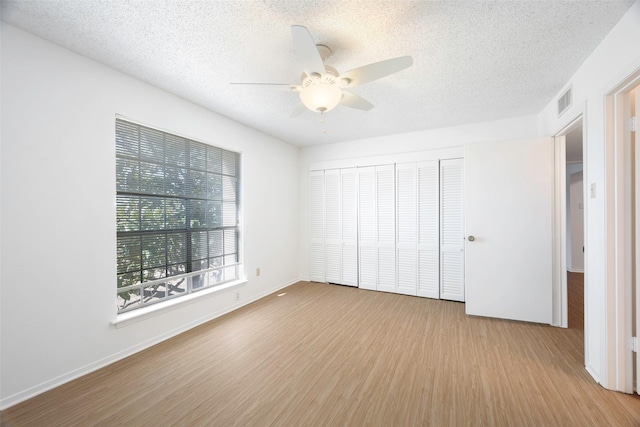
[177, 215]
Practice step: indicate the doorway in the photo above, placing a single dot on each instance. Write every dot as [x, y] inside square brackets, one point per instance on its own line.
[569, 219]
[622, 238]
[575, 225]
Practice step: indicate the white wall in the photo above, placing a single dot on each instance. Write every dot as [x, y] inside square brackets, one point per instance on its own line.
[615, 58]
[508, 129]
[58, 245]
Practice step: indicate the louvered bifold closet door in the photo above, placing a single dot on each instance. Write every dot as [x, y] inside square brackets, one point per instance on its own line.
[333, 232]
[428, 229]
[349, 220]
[406, 237]
[368, 264]
[386, 227]
[451, 230]
[316, 196]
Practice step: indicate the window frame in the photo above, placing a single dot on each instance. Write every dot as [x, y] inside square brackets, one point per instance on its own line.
[193, 278]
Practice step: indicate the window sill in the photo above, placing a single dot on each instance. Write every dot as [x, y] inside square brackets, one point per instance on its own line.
[131, 317]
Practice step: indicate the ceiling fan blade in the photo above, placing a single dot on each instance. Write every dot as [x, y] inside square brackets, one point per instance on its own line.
[282, 86]
[355, 101]
[297, 110]
[306, 51]
[375, 71]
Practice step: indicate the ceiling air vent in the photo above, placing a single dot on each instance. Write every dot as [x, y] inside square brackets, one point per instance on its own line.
[564, 102]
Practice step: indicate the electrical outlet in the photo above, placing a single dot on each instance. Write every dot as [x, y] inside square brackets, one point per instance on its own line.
[237, 296]
[258, 271]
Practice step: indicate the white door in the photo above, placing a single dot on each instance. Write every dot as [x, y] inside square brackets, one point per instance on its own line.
[349, 226]
[368, 260]
[386, 228]
[406, 230]
[428, 229]
[508, 193]
[452, 230]
[316, 208]
[333, 226]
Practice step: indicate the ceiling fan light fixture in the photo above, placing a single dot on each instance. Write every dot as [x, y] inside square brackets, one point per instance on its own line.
[321, 97]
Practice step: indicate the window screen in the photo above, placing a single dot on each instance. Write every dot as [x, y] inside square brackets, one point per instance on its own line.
[177, 215]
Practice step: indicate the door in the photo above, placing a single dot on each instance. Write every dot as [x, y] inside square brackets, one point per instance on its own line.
[349, 226]
[508, 193]
[341, 226]
[376, 237]
[386, 228]
[333, 226]
[452, 230]
[406, 229]
[428, 229]
[368, 260]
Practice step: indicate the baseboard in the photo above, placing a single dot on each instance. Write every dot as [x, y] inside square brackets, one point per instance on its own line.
[593, 372]
[575, 270]
[99, 364]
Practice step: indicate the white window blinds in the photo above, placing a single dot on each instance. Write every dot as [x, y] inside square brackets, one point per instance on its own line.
[177, 215]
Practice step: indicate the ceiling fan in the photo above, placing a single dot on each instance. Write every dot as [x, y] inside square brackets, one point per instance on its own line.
[321, 86]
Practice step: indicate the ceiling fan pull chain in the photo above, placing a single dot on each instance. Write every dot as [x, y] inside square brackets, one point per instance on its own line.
[322, 123]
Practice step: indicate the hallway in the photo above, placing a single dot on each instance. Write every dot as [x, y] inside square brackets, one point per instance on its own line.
[575, 295]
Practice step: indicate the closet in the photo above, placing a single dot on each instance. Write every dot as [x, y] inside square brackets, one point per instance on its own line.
[390, 227]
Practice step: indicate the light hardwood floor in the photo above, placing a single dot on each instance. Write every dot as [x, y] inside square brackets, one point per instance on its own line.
[575, 297]
[331, 355]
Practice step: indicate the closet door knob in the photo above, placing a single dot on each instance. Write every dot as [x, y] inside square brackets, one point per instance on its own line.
[471, 238]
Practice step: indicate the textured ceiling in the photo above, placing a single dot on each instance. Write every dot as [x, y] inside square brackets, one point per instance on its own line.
[473, 60]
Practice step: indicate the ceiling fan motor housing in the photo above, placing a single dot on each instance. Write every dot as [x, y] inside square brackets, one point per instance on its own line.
[329, 77]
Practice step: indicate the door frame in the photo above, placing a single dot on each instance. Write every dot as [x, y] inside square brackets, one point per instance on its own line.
[619, 306]
[560, 299]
